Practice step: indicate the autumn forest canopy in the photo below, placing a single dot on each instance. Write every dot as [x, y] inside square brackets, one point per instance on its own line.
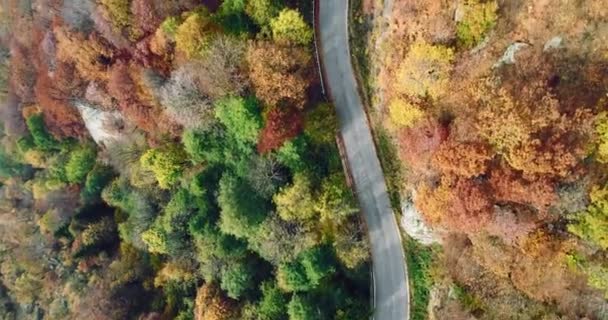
[496, 112]
[171, 160]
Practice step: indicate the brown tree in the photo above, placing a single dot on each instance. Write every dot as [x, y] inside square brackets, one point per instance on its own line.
[145, 16]
[457, 204]
[55, 94]
[211, 304]
[467, 159]
[512, 186]
[417, 145]
[91, 54]
[279, 74]
[281, 125]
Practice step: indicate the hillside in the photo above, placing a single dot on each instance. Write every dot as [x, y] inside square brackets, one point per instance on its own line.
[491, 119]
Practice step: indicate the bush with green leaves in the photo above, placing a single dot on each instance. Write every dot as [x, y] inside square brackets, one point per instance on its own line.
[296, 202]
[592, 224]
[42, 138]
[237, 279]
[96, 180]
[242, 119]
[301, 307]
[262, 11]
[241, 209]
[273, 304]
[167, 164]
[307, 270]
[137, 214]
[321, 124]
[290, 27]
[478, 18]
[80, 162]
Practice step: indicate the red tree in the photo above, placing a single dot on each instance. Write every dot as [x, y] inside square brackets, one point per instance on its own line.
[281, 125]
[54, 94]
[418, 144]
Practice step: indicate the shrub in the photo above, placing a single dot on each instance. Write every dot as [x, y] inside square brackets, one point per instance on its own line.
[404, 114]
[425, 71]
[290, 27]
[167, 165]
[80, 163]
[479, 17]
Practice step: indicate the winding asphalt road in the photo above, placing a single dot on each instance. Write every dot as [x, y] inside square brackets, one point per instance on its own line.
[391, 290]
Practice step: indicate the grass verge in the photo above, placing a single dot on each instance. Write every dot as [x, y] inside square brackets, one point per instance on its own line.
[419, 260]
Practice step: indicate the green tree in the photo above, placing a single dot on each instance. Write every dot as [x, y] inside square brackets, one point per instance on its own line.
[318, 263]
[204, 146]
[262, 11]
[242, 119]
[291, 277]
[478, 18]
[336, 201]
[237, 279]
[592, 224]
[273, 305]
[166, 164]
[321, 124]
[42, 139]
[296, 202]
[81, 161]
[292, 154]
[290, 27]
[302, 308]
[99, 233]
[156, 240]
[241, 209]
[97, 179]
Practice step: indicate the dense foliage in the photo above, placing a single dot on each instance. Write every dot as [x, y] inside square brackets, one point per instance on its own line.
[171, 160]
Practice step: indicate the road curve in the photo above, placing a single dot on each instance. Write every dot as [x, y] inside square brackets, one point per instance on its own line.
[391, 290]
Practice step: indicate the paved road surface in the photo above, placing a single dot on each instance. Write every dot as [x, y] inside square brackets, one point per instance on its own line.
[389, 268]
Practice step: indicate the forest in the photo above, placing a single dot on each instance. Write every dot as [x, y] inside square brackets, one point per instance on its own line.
[165, 159]
[491, 120]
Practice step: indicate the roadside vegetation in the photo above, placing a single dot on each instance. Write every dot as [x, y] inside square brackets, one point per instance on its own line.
[208, 183]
